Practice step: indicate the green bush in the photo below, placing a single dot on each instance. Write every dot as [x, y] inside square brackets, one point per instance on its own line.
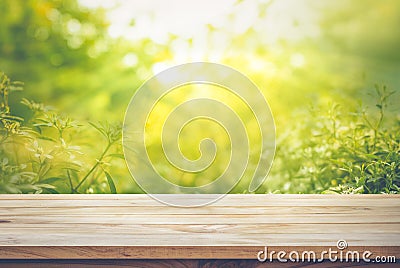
[353, 152]
[329, 151]
[44, 153]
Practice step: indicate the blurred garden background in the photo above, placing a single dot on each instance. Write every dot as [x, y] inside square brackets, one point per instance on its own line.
[330, 71]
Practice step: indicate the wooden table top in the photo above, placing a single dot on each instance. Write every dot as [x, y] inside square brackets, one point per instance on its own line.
[237, 226]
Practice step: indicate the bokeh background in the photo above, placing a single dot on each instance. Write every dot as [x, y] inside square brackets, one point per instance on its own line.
[322, 66]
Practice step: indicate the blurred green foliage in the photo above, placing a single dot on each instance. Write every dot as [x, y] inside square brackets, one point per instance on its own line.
[344, 152]
[332, 134]
[46, 153]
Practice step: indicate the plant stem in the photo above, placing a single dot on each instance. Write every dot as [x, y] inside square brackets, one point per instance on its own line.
[94, 167]
[70, 182]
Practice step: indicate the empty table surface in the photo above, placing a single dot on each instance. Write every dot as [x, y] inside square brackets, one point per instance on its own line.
[235, 227]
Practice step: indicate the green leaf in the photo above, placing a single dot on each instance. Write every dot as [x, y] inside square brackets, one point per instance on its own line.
[12, 117]
[329, 192]
[51, 191]
[28, 187]
[68, 165]
[111, 184]
[116, 155]
[10, 188]
[50, 180]
[47, 186]
[100, 129]
[15, 88]
[46, 138]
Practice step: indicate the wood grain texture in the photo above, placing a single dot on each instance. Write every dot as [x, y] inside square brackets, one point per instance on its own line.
[168, 263]
[235, 227]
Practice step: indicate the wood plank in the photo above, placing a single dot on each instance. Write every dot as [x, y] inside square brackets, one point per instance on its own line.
[237, 226]
[163, 210]
[206, 263]
[237, 200]
[163, 252]
[180, 229]
[201, 219]
[115, 239]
